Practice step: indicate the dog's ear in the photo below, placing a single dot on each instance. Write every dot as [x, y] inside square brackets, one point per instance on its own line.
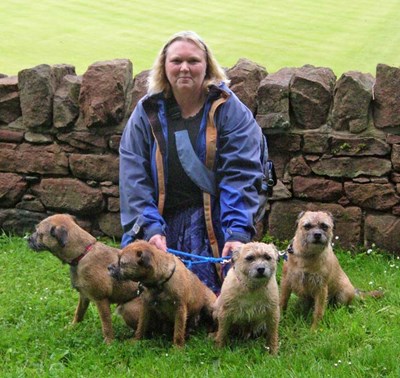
[276, 251]
[73, 218]
[331, 216]
[144, 258]
[235, 254]
[299, 217]
[60, 233]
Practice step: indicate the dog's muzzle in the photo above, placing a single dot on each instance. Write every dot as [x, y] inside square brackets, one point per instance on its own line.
[34, 245]
[261, 272]
[318, 238]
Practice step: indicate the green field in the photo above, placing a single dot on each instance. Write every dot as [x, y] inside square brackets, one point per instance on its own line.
[342, 35]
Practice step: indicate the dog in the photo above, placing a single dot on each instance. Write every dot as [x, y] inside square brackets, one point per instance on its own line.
[89, 261]
[312, 271]
[171, 292]
[248, 304]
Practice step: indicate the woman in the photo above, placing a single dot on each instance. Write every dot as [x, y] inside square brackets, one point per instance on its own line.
[190, 159]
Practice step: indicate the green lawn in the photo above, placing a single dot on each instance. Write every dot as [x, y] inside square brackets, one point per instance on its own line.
[37, 339]
[342, 35]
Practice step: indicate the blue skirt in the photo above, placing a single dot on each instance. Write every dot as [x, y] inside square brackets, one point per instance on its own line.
[187, 232]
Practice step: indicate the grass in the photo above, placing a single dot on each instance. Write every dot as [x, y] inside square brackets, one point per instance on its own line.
[38, 340]
[339, 34]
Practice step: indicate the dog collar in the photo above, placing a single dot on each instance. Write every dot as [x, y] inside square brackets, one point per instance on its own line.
[75, 261]
[89, 247]
[237, 276]
[284, 254]
[159, 285]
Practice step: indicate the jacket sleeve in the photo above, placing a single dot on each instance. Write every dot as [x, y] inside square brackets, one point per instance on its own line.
[138, 195]
[239, 170]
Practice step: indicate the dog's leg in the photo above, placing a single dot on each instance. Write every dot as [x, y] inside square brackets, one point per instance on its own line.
[273, 333]
[180, 325]
[103, 306]
[286, 291]
[342, 299]
[143, 322]
[83, 304]
[346, 295]
[321, 300]
[130, 311]
[224, 325]
[273, 341]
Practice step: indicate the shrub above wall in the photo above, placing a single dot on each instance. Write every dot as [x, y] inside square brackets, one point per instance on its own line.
[335, 144]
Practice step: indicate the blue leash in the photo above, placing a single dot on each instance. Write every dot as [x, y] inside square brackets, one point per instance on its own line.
[200, 259]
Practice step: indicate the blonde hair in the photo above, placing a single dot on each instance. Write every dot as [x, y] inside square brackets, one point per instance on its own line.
[158, 82]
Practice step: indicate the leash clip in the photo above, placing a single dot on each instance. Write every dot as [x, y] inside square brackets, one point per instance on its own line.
[282, 254]
[139, 290]
[226, 260]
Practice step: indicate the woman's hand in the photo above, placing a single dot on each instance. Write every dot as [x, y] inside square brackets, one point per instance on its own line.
[229, 247]
[159, 241]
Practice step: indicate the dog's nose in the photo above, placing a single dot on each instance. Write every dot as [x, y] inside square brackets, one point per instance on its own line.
[260, 270]
[31, 242]
[317, 236]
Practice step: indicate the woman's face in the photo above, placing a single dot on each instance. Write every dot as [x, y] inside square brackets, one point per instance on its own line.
[185, 67]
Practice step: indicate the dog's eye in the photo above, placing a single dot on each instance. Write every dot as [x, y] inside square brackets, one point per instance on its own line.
[324, 226]
[308, 226]
[267, 257]
[249, 258]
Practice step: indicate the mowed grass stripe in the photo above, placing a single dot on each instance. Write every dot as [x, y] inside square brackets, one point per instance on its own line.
[336, 34]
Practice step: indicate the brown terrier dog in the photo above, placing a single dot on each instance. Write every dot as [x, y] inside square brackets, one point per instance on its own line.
[312, 270]
[249, 301]
[89, 260]
[171, 292]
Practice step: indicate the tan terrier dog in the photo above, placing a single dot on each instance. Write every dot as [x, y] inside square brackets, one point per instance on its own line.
[89, 261]
[312, 270]
[249, 301]
[171, 292]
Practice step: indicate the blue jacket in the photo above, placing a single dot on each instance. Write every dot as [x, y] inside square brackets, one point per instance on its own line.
[237, 166]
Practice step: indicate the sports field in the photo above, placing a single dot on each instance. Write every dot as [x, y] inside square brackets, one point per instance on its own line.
[340, 34]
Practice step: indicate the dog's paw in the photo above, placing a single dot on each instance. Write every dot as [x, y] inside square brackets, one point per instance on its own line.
[212, 335]
[134, 340]
[219, 342]
[179, 346]
[71, 325]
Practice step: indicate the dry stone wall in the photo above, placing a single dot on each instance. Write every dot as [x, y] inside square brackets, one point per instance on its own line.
[335, 143]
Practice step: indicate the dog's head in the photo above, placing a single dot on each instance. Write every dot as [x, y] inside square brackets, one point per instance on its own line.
[314, 229]
[51, 234]
[135, 262]
[255, 261]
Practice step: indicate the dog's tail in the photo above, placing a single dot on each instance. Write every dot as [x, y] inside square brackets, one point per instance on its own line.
[362, 294]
